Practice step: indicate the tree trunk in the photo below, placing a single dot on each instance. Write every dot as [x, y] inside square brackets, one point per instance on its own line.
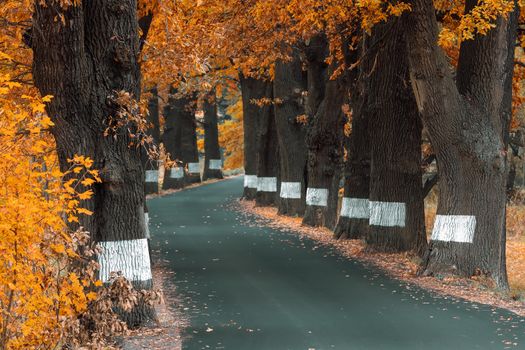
[354, 214]
[172, 139]
[267, 149]
[152, 165]
[324, 138]
[189, 150]
[397, 217]
[288, 90]
[467, 124]
[82, 65]
[250, 121]
[212, 150]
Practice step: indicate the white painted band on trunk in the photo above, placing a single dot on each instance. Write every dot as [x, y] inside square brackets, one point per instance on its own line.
[176, 173]
[250, 181]
[317, 196]
[194, 168]
[131, 257]
[146, 225]
[454, 228]
[355, 208]
[290, 190]
[215, 164]
[387, 214]
[266, 184]
[152, 176]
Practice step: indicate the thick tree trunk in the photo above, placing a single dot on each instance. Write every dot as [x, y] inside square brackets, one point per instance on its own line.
[267, 149]
[324, 138]
[82, 65]
[151, 165]
[354, 214]
[250, 121]
[397, 217]
[467, 124]
[172, 139]
[212, 150]
[288, 88]
[189, 150]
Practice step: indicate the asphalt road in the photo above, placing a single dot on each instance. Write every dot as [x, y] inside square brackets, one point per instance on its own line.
[254, 288]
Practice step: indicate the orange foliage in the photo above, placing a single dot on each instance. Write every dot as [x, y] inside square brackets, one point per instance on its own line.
[42, 292]
[231, 135]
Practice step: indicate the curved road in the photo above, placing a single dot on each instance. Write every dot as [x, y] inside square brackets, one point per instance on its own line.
[251, 288]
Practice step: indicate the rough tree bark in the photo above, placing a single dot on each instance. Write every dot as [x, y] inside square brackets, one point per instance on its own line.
[189, 150]
[172, 139]
[397, 217]
[324, 138]
[354, 214]
[288, 87]
[467, 123]
[250, 121]
[212, 150]
[267, 149]
[84, 61]
[151, 166]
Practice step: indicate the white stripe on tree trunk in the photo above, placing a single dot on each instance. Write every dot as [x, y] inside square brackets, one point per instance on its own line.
[194, 168]
[250, 181]
[317, 196]
[152, 176]
[454, 228]
[355, 208]
[215, 164]
[387, 214]
[176, 173]
[131, 257]
[290, 190]
[266, 184]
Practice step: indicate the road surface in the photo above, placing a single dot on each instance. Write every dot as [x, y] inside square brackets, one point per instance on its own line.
[254, 288]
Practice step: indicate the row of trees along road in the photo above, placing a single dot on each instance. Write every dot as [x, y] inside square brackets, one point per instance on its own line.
[329, 91]
[462, 98]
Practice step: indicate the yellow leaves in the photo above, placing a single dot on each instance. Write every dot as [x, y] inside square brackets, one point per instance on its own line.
[85, 195]
[84, 211]
[398, 9]
[47, 98]
[91, 296]
[4, 56]
[72, 218]
[87, 182]
[58, 248]
[37, 248]
[98, 283]
[231, 136]
[459, 26]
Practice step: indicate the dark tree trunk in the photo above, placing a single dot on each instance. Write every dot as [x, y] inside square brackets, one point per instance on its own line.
[354, 214]
[172, 139]
[467, 124]
[189, 150]
[324, 138]
[212, 150]
[82, 65]
[250, 121]
[267, 149]
[397, 217]
[151, 165]
[288, 88]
